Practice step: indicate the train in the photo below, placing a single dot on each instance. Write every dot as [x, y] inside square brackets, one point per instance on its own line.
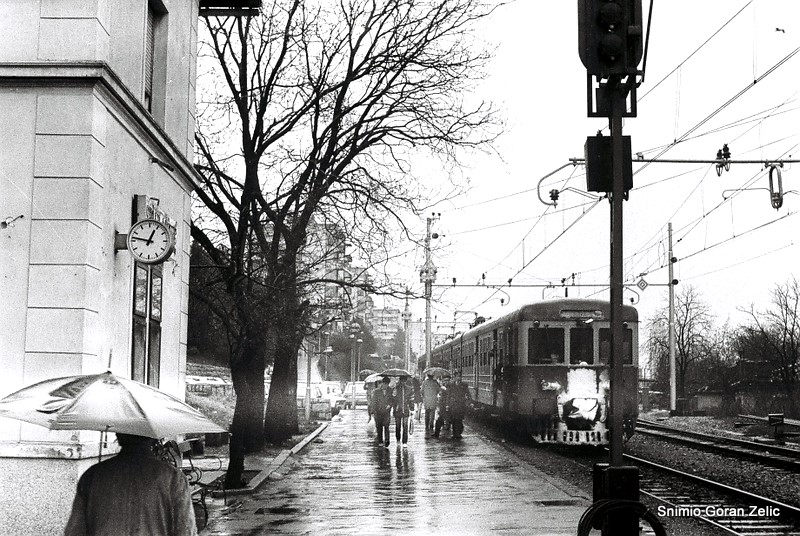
[545, 366]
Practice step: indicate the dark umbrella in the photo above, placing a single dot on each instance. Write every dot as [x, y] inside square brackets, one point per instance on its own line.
[396, 372]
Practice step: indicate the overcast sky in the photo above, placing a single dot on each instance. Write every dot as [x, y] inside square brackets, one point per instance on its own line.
[733, 251]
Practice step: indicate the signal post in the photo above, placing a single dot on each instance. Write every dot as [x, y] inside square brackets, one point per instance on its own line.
[611, 47]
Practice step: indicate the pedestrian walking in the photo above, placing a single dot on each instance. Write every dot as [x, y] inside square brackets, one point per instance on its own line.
[132, 493]
[430, 398]
[417, 393]
[403, 408]
[458, 399]
[381, 407]
[442, 408]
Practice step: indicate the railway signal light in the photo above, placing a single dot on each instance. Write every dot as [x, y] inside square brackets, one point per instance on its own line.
[610, 36]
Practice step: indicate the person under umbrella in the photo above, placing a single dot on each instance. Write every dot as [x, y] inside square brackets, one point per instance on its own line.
[458, 398]
[132, 493]
[381, 407]
[403, 407]
[430, 395]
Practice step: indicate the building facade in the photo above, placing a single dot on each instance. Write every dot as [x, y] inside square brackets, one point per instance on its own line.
[385, 323]
[97, 113]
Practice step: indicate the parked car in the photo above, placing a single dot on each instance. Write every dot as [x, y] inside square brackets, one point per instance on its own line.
[333, 394]
[321, 392]
[361, 394]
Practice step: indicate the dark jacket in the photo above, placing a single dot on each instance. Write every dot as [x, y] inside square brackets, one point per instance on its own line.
[130, 494]
[457, 396]
[403, 399]
[381, 402]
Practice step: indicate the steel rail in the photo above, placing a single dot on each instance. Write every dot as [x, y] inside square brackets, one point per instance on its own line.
[786, 510]
[790, 458]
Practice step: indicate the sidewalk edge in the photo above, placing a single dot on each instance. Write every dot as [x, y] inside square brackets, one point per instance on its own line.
[257, 481]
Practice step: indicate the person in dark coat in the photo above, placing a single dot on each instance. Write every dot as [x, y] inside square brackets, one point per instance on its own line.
[417, 393]
[132, 493]
[403, 408]
[458, 398]
[442, 408]
[430, 397]
[380, 404]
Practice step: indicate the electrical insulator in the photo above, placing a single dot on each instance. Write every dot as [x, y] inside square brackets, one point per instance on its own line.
[776, 196]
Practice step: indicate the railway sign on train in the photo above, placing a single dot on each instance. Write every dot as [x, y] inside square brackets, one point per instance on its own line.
[581, 314]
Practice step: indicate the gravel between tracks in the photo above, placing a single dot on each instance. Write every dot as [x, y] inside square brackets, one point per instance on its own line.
[575, 466]
[776, 484]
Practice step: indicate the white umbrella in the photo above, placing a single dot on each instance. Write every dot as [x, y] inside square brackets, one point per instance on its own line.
[373, 378]
[106, 403]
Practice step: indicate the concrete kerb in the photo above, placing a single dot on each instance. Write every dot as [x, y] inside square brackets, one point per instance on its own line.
[257, 481]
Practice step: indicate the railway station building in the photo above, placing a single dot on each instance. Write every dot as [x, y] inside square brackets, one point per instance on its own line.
[97, 101]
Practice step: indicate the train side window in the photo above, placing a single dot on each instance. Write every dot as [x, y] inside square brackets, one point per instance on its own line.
[605, 346]
[545, 346]
[581, 346]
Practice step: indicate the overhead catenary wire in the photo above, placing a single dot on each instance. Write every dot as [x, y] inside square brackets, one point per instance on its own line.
[688, 133]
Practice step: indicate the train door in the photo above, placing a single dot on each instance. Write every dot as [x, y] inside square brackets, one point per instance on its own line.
[475, 364]
[495, 360]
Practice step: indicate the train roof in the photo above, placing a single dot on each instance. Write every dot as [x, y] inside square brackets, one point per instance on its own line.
[561, 308]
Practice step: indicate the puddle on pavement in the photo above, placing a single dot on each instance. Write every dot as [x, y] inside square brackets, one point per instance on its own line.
[278, 510]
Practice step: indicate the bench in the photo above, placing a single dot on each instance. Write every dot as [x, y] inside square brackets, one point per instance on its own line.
[200, 482]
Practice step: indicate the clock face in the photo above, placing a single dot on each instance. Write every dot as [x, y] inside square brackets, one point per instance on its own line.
[150, 241]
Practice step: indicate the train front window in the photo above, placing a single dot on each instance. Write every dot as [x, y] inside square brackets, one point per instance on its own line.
[581, 346]
[545, 346]
[605, 346]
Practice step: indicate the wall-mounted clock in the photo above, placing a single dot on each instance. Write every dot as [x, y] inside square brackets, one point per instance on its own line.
[150, 241]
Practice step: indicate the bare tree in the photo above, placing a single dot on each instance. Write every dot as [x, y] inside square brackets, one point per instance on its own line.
[773, 338]
[319, 109]
[695, 340]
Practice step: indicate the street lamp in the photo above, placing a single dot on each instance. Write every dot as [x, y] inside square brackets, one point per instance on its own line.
[358, 353]
[354, 328]
[328, 351]
[353, 368]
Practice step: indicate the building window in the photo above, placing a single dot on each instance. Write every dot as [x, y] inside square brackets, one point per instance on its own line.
[146, 347]
[149, 57]
[155, 59]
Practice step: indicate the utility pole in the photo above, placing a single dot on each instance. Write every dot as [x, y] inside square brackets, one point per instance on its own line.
[427, 276]
[308, 383]
[610, 47]
[407, 336]
[617, 331]
[671, 326]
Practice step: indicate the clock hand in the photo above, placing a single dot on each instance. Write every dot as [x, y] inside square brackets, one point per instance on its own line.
[150, 240]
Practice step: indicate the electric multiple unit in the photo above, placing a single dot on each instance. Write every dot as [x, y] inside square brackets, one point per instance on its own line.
[546, 365]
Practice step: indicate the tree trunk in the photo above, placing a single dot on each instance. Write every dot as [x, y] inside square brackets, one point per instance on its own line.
[247, 374]
[280, 420]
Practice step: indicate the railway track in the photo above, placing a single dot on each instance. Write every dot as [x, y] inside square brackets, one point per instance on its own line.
[681, 499]
[764, 453]
[732, 510]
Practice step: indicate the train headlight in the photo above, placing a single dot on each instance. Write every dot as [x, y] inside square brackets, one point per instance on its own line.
[550, 386]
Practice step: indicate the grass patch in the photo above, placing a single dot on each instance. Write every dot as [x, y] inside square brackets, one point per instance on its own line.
[217, 406]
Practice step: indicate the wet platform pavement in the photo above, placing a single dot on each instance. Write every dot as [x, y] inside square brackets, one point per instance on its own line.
[348, 484]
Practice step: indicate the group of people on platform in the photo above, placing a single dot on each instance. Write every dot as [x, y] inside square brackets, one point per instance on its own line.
[445, 404]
